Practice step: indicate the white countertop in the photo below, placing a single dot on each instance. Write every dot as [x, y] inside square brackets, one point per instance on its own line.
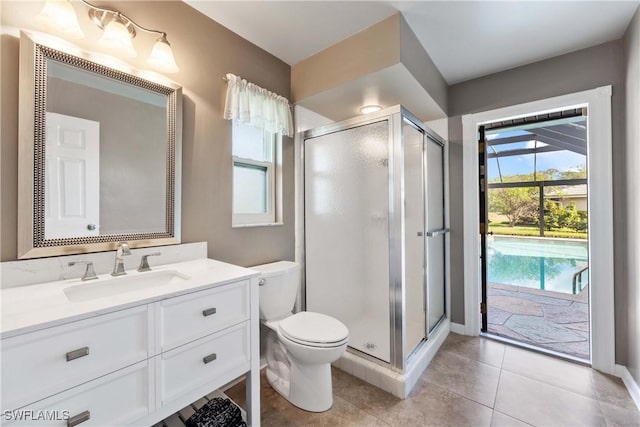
[30, 308]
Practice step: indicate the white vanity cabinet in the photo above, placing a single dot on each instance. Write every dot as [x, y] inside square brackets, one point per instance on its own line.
[136, 365]
[123, 397]
[38, 364]
[202, 336]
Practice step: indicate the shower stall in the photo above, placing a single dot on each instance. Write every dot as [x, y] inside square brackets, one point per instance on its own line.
[375, 233]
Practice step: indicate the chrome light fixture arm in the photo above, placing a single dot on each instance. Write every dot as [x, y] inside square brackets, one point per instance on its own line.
[99, 15]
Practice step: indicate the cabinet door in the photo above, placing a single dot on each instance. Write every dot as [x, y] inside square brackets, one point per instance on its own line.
[42, 363]
[117, 399]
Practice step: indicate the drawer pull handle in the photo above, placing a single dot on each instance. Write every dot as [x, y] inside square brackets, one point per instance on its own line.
[75, 354]
[209, 312]
[78, 419]
[209, 358]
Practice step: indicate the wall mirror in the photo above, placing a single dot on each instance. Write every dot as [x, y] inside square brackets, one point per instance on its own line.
[99, 154]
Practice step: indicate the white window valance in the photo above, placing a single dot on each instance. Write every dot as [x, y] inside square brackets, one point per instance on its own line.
[252, 105]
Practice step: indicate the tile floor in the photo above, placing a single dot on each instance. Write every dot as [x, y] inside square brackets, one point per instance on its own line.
[470, 382]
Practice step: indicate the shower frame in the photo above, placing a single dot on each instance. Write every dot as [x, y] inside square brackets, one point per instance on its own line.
[399, 361]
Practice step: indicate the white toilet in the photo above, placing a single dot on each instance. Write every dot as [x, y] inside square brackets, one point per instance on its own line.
[300, 347]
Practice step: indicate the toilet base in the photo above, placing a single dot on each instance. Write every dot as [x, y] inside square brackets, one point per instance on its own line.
[309, 387]
[305, 383]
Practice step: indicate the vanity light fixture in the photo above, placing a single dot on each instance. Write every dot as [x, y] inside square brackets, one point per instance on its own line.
[370, 109]
[59, 16]
[119, 31]
[161, 55]
[117, 37]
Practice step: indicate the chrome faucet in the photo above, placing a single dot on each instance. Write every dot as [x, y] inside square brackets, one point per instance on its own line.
[89, 272]
[121, 251]
[144, 262]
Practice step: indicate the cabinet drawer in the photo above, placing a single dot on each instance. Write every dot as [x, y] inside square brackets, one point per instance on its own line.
[215, 359]
[116, 399]
[39, 364]
[190, 317]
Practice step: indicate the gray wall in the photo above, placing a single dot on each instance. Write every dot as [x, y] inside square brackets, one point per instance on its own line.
[420, 65]
[205, 51]
[456, 220]
[133, 154]
[581, 70]
[631, 67]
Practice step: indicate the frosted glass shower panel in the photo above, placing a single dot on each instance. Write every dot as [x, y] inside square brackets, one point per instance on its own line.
[346, 179]
[415, 317]
[435, 265]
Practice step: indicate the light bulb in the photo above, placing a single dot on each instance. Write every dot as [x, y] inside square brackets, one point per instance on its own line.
[58, 16]
[370, 109]
[161, 56]
[116, 37]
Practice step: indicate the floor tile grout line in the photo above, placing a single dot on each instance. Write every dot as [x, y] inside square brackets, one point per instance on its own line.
[426, 382]
[496, 399]
[354, 404]
[552, 385]
[471, 360]
[511, 416]
[595, 391]
[595, 394]
[604, 416]
[363, 409]
[589, 370]
[468, 358]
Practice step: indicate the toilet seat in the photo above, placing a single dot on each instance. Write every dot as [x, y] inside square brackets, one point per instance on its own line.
[314, 330]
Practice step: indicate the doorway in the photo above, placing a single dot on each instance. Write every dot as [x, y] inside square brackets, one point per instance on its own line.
[534, 231]
[600, 183]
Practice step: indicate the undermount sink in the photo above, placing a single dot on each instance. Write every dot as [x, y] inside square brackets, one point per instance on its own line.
[119, 285]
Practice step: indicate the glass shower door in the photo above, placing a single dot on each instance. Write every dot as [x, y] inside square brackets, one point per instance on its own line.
[346, 180]
[436, 232]
[414, 240]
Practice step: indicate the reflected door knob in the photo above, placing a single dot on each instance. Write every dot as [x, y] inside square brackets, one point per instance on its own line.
[91, 227]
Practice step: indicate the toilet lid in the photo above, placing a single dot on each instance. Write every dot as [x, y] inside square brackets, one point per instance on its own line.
[313, 328]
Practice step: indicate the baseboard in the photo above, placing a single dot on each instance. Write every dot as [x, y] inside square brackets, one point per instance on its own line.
[630, 383]
[458, 328]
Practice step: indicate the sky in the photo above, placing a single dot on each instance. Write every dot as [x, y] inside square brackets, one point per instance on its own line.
[524, 164]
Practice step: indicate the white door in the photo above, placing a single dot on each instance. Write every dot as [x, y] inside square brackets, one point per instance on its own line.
[72, 190]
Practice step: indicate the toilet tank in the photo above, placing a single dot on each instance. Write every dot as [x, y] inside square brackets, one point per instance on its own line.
[279, 289]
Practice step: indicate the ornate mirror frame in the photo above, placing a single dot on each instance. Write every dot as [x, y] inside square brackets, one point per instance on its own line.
[35, 50]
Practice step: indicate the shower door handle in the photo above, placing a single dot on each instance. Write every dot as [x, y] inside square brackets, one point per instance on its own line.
[419, 233]
[437, 232]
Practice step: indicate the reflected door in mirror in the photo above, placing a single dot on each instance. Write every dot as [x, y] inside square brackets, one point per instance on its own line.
[132, 175]
[72, 191]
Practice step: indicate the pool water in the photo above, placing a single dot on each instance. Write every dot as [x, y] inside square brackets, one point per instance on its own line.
[548, 264]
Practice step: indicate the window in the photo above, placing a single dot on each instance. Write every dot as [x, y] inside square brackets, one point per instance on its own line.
[255, 176]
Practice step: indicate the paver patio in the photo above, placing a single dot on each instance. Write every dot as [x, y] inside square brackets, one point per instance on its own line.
[547, 319]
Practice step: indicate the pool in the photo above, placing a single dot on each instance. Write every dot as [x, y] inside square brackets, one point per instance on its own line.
[548, 264]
